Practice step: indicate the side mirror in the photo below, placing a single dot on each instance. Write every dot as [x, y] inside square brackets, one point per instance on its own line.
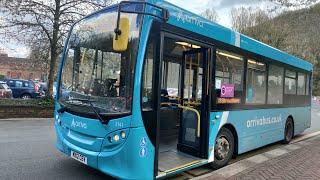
[121, 36]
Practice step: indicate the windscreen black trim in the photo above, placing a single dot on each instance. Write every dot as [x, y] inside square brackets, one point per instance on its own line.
[105, 116]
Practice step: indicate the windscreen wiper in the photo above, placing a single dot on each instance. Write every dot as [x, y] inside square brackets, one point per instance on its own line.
[88, 101]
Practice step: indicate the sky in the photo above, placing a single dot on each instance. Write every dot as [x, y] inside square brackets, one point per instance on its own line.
[222, 7]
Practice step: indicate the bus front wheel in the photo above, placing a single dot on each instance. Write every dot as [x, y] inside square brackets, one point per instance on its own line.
[288, 131]
[223, 149]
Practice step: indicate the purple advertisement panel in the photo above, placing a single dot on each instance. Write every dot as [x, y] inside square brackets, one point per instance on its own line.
[227, 90]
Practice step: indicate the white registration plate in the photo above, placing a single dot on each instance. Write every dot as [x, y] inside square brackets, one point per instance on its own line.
[79, 157]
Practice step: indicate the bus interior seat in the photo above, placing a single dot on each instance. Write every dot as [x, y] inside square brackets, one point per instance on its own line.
[164, 96]
[169, 117]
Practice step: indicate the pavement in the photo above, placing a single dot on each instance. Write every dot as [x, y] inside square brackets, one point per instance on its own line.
[299, 160]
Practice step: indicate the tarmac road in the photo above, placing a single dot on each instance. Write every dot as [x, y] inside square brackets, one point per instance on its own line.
[27, 151]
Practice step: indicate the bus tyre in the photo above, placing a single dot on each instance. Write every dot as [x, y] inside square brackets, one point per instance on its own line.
[223, 149]
[288, 131]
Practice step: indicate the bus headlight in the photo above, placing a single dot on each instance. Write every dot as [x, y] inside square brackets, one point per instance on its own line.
[123, 134]
[58, 119]
[116, 137]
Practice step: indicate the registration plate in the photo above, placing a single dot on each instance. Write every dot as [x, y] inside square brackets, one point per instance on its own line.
[79, 157]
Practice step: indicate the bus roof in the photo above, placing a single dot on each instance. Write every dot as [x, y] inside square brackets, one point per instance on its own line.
[187, 20]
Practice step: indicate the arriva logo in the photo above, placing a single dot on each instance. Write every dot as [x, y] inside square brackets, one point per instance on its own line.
[187, 18]
[78, 124]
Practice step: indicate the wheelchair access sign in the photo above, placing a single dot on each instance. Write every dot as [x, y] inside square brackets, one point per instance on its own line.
[143, 148]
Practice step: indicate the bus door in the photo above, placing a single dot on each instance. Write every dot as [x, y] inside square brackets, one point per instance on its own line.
[193, 81]
[183, 110]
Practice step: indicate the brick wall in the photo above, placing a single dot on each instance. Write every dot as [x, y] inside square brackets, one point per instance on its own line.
[7, 112]
[21, 68]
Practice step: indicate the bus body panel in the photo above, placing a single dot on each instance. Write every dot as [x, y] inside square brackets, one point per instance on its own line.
[135, 160]
[197, 24]
[89, 133]
[257, 128]
[132, 158]
[136, 106]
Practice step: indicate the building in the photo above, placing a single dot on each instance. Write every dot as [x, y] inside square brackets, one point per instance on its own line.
[21, 68]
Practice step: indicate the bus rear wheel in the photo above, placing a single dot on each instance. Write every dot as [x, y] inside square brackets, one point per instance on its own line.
[223, 149]
[288, 131]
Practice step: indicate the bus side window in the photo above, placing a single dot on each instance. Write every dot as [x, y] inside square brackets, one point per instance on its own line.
[256, 82]
[275, 85]
[290, 82]
[308, 84]
[147, 97]
[301, 84]
[229, 77]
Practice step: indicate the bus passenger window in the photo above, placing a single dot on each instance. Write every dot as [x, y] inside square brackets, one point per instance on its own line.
[301, 84]
[290, 82]
[256, 82]
[308, 85]
[275, 85]
[229, 77]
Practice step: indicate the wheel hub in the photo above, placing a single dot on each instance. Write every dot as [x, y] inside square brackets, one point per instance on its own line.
[222, 148]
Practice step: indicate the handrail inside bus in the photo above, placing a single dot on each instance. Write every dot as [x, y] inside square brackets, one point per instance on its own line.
[190, 109]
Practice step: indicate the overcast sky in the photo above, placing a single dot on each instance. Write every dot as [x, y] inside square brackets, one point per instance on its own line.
[222, 7]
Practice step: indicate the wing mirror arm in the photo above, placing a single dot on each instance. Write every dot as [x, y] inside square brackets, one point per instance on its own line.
[117, 31]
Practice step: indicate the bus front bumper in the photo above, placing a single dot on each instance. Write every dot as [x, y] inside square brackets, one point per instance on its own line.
[125, 162]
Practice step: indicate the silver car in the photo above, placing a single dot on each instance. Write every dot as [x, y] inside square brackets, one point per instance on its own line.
[5, 91]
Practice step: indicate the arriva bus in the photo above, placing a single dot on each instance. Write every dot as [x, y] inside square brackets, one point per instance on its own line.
[147, 90]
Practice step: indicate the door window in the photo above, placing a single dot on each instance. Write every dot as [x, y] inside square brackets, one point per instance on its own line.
[18, 84]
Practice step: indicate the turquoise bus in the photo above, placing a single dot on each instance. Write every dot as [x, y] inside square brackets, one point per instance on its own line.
[147, 90]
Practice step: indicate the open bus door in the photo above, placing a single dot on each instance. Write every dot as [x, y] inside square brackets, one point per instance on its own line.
[193, 102]
[183, 105]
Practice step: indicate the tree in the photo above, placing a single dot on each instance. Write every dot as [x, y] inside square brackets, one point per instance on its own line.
[48, 20]
[297, 3]
[210, 14]
[242, 18]
[39, 53]
[295, 32]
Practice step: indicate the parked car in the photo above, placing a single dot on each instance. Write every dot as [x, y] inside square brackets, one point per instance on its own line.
[43, 88]
[23, 88]
[5, 91]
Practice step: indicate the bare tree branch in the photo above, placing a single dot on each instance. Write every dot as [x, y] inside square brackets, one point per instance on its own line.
[44, 24]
